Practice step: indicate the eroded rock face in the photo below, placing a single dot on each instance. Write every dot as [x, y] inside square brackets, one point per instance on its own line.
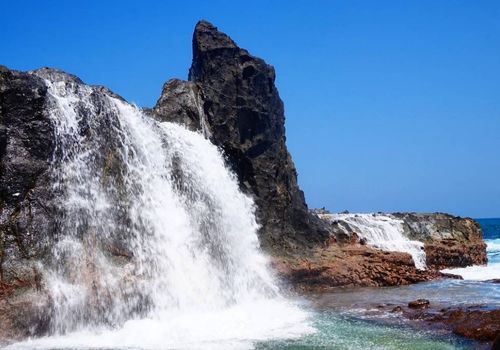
[25, 190]
[181, 102]
[231, 96]
[450, 241]
[27, 216]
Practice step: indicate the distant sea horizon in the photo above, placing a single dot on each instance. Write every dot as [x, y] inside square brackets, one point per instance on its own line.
[490, 227]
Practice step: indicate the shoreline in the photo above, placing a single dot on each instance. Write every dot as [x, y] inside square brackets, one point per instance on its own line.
[423, 307]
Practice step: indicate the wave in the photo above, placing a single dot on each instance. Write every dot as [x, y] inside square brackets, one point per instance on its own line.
[482, 273]
[492, 245]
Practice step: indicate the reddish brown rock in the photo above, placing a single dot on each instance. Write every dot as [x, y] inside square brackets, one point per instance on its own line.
[351, 265]
[475, 324]
[447, 253]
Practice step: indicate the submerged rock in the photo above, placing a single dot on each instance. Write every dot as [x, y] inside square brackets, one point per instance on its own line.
[419, 304]
[474, 322]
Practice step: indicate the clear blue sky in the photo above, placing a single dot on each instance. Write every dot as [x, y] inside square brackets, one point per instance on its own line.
[390, 105]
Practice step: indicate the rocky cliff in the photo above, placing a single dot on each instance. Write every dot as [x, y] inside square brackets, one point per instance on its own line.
[27, 213]
[232, 98]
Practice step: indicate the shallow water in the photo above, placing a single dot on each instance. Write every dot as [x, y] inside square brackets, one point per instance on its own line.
[439, 293]
[332, 331]
[344, 319]
[203, 282]
[335, 331]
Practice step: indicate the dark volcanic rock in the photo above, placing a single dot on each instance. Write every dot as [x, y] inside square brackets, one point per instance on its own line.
[180, 101]
[27, 214]
[26, 146]
[232, 96]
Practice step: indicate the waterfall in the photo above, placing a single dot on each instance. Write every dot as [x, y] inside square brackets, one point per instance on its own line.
[157, 246]
[384, 232]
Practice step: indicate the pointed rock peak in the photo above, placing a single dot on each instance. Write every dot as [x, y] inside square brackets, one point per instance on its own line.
[207, 37]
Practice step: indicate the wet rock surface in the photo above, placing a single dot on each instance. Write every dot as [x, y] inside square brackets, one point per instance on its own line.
[476, 322]
[351, 265]
[27, 217]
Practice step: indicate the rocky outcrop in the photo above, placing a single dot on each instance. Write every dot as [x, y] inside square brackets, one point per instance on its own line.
[232, 98]
[450, 241]
[477, 322]
[181, 102]
[351, 265]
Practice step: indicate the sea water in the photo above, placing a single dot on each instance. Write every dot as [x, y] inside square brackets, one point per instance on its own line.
[491, 233]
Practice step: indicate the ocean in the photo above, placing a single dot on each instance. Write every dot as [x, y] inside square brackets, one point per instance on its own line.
[491, 232]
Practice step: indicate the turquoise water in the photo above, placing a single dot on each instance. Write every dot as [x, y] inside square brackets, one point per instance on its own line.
[340, 332]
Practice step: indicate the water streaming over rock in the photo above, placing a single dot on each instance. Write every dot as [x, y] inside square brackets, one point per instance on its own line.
[156, 240]
[384, 232]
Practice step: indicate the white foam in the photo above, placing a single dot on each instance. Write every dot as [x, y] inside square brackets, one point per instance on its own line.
[477, 273]
[197, 277]
[237, 327]
[493, 245]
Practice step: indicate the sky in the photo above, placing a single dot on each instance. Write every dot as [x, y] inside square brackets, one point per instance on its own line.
[390, 105]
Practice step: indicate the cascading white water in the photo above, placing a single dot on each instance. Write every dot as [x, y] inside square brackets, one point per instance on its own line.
[157, 245]
[384, 232]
